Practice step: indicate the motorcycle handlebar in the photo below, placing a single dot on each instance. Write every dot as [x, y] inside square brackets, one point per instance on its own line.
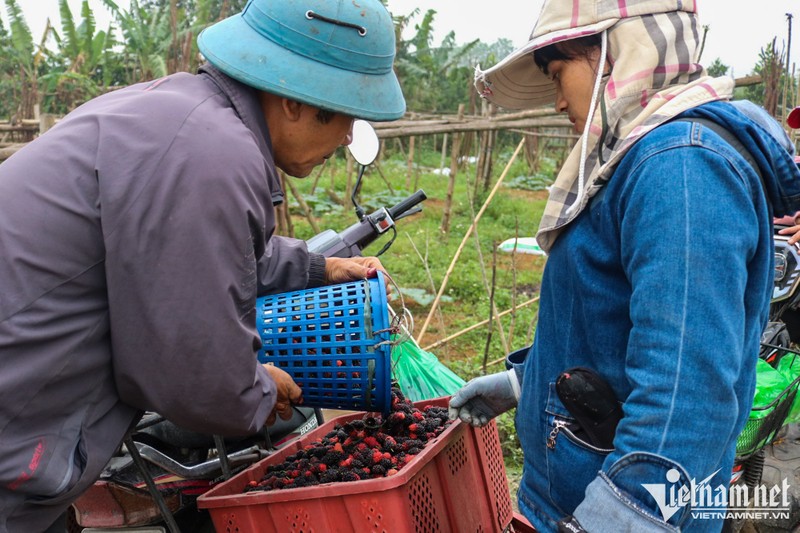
[352, 240]
[398, 210]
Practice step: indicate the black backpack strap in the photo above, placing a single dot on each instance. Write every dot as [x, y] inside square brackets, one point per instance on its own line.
[731, 139]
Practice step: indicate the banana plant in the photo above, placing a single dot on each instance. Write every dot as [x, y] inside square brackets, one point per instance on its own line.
[206, 12]
[19, 62]
[183, 54]
[434, 76]
[187, 19]
[78, 66]
[147, 34]
[162, 34]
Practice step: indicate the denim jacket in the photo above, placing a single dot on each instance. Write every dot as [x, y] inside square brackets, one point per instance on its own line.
[662, 286]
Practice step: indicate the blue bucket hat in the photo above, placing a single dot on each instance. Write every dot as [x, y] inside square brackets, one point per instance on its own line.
[332, 54]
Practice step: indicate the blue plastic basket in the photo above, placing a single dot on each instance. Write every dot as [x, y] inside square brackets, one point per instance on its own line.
[333, 341]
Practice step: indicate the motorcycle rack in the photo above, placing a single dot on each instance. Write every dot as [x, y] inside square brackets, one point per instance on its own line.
[141, 454]
[172, 525]
[202, 470]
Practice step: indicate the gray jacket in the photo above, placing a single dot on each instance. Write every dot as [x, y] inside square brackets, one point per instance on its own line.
[134, 238]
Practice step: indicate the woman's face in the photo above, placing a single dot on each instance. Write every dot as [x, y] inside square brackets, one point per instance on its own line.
[574, 80]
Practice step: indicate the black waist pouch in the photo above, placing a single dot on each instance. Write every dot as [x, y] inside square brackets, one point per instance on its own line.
[592, 403]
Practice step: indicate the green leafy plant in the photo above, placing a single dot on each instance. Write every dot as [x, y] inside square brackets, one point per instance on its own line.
[19, 63]
[147, 35]
[76, 70]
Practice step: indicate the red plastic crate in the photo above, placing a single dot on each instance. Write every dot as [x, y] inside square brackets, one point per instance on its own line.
[456, 484]
[520, 524]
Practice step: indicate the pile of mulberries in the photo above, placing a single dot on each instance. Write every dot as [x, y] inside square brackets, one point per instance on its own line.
[372, 447]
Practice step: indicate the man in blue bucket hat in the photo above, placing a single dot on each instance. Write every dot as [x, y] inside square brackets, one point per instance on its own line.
[137, 233]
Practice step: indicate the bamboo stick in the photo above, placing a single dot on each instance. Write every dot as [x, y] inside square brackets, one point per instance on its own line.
[410, 161]
[491, 308]
[451, 182]
[466, 236]
[479, 324]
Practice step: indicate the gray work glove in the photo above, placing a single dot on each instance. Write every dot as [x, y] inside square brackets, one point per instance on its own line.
[485, 397]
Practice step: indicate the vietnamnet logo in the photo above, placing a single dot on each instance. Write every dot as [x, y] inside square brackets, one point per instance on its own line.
[736, 501]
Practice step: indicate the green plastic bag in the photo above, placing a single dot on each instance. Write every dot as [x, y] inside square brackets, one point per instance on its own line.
[789, 367]
[420, 374]
[769, 385]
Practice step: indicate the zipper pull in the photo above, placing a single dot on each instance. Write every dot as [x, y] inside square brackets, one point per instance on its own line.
[551, 439]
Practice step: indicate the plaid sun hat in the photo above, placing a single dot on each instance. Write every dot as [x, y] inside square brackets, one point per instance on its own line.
[517, 83]
[652, 47]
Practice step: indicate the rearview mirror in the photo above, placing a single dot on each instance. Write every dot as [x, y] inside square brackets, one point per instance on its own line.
[365, 145]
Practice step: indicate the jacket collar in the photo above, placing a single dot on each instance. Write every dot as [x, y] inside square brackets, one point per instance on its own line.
[245, 102]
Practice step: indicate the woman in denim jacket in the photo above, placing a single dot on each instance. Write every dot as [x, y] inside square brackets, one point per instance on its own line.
[639, 286]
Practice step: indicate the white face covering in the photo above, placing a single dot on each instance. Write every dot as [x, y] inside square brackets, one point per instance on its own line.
[654, 77]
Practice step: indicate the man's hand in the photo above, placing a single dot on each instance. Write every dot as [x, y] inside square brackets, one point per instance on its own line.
[344, 269]
[793, 221]
[485, 397]
[794, 231]
[288, 394]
